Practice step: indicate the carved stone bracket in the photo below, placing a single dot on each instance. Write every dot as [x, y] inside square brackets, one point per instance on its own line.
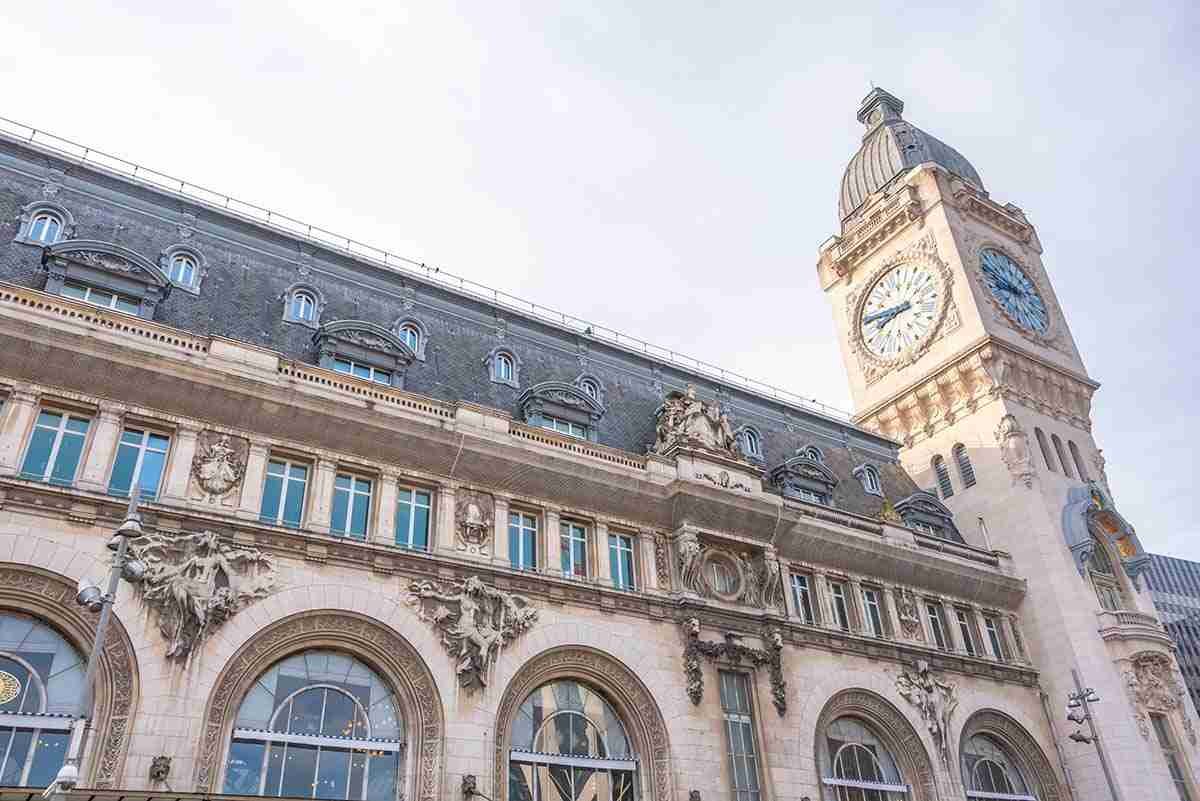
[934, 699]
[731, 651]
[1153, 687]
[474, 621]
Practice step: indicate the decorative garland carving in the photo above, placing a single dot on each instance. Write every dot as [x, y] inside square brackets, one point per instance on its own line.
[623, 689]
[51, 598]
[1153, 687]
[662, 563]
[935, 699]
[379, 646]
[732, 651]
[219, 463]
[909, 614]
[474, 621]
[1020, 743]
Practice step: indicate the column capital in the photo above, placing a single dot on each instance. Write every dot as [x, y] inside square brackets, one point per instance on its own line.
[189, 429]
[26, 394]
[110, 411]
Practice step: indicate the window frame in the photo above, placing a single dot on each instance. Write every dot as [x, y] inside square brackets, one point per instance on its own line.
[751, 442]
[374, 374]
[935, 615]
[994, 630]
[89, 290]
[1044, 445]
[868, 475]
[941, 475]
[142, 448]
[354, 496]
[746, 720]
[620, 542]
[837, 592]
[803, 597]
[45, 214]
[962, 460]
[1056, 442]
[66, 415]
[966, 630]
[415, 492]
[518, 546]
[874, 614]
[1173, 755]
[556, 424]
[286, 481]
[567, 530]
[1076, 457]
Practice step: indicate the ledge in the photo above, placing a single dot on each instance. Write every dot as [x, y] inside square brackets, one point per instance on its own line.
[1130, 626]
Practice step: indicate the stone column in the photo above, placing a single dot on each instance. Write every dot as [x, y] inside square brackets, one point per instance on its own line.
[444, 515]
[823, 600]
[250, 507]
[892, 611]
[552, 550]
[603, 558]
[20, 411]
[644, 561]
[320, 510]
[384, 530]
[855, 603]
[102, 449]
[183, 450]
[500, 532]
[954, 639]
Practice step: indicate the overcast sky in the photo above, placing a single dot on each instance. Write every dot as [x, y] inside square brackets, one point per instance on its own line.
[669, 170]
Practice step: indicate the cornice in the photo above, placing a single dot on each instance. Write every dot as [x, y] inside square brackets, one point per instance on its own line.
[842, 254]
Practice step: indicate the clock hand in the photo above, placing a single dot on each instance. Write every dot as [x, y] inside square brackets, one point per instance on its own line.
[885, 316]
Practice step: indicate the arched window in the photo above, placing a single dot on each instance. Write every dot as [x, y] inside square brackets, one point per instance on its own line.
[869, 477]
[41, 678]
[943, 477]
[182, 269]
[812, 452]
[504, 367]
[989, 772]
[856, 766]
[1104, 578]
[965, 471]
[45, 227]
[1075, 457]
[319, 724]
[1045, 446]
[590, 388]
[568, 743]
[410, 335]
[1062, 459]
[752, 443]
[304, 307]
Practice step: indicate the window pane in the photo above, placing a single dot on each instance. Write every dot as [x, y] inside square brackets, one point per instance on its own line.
[151, 472]
[47, 758]
[404, 522]
[358, 522]
[74, 291]
[421, 527]
[272, 491]
[299, 770]
[332, 773]
[37, 457]
[382, 785]
[127, 305]
[69, 451]
[244, 768]
[18, 751]
[341, 509]
[122, 473]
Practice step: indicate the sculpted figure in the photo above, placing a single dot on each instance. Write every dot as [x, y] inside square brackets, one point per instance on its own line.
[684, 419]
[690, 562]
[771, 582]
[934, 699]
[1014, 450]
[219, 466]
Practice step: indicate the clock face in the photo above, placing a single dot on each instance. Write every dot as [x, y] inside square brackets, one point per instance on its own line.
[900, 310]
[1013, 290]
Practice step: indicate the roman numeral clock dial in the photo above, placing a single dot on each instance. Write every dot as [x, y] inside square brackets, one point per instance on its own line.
[900, 310]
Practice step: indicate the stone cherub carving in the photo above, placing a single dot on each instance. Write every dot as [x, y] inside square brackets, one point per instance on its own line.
[219, 463]
[685, 420]
[475, 620]
[934, 699]
[195, 582]
[910, 617]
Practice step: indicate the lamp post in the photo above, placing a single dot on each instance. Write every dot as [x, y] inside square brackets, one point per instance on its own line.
[1079, 704]
[91, 598]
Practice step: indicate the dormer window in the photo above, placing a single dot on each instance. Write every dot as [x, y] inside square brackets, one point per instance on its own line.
[363, 350]
[184, 265]
[44, 222]
[812, 453]
[590, 388]
[504, 367]
[45, 227]
[304, 307]
[868, 475]
[414, 334]
[183, 269]
[303, 304]
[563, 426]
[364, 371]
[562, 407]
[106, 275]
[924, 513]
[804, 479]
[410, 335]
[99, 297]
[751, 443]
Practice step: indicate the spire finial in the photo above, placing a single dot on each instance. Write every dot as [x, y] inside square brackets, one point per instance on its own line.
[878, 106]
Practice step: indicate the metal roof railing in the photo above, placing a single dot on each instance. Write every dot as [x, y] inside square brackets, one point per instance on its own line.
[379, 257]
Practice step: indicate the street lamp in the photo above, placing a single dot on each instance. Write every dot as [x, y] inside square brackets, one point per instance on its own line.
[91, 598]
[1078, 712]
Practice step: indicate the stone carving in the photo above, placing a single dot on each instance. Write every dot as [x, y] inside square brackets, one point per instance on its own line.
[473, 515]
[475, 620]
[686, 421]
[105, 261]
[757, 585]
[772, 582]
[934, 699]
[910, 616]
[195, 582]
[733, 651]
[1014, 449]
[1098, 461]
[662, 564]
[691, 562]
[1153, 687]
[160, 768]
[219, 463]
[724, 481]
[751, 581]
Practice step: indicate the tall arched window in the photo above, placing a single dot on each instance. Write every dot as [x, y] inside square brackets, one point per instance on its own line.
[1075, 457]
[869, 477]
[856, 766]
[319, 724]
[989, 772]
[568, 743]
[943, 477]
[1104, 578]
[41, 676]
[965, 471]
[1062, 458]
[1045, 446]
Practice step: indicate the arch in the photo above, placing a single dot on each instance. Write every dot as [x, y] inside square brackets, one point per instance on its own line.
[417, 340]
[1035, 767]
[812, 453]
[1079, 467]
[890, 725]
[1045, 446]
[31, 210]
[378, 646]
[166, 261]
[51, 598]
[1062, 457]
[942, 475]
[619, 685]
[966, 472]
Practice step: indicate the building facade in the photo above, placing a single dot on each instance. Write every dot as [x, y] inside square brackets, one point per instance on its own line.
[1174, 586]
[404, 538]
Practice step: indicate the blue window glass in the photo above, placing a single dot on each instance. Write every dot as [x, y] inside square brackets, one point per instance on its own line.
[412, 518]
[283, 493]
[574, 550]
[620, 557]
[351, 506]
[141, 456]
[522, 541]
[55, 447]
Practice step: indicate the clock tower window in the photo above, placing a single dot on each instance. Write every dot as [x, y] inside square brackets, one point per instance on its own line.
[1045, 447]
[1062, 459]
[943, 477]
[1083, 473]
[965, 471]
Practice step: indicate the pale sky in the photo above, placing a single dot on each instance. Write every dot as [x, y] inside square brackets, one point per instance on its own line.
[669, 170]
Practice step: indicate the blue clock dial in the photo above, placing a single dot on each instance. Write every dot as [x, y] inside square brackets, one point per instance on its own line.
[1014, 291]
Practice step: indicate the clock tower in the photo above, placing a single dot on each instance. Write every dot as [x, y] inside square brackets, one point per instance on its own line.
[957, 348]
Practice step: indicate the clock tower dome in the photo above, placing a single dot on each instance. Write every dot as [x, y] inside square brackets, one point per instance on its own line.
[956, 347]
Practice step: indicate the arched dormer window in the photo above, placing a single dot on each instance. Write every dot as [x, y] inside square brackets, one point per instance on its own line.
[1062, 458]
[503, 367]
[945, 487]
[804, 478]
[106, 275]
[184, 265]
[751, 442]
[363, 350]
[44, 222]
[303, 304]
[412, 332]
[923, 512]
[1045, 448]
[965, 471]
[1079, 468]
[813, 453]
[868, 476]
[562, 407]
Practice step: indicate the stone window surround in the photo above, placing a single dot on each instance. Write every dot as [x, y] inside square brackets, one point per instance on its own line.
[29, 210]
[923, 506]
[168, 254]
[803, 473]
[491, 359]
[318, 307]
[586, 377]
[364, 343]
[562, 401]
[138, 278]
[422, 334]
[757, 458]
[862, 473]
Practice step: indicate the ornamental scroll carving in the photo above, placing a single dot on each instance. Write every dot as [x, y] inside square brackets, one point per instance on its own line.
[219, 463]
[934, 699]
[1014, 449]
[732, 651]
[685, 421]
[474, 621]
[473, 516]
[1153, 687]
[195, 582]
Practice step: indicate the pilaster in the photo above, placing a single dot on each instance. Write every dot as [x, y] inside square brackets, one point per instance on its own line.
[953, 636]
[321, 509]
[500, 554]
[102, 449]
[183, 450]
[384, 530]
[552, 542]
[252, 482]
[444, 515]
[603, 556]
[20, 410]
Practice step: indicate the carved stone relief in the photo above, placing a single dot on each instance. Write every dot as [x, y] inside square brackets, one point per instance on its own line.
[724, 481]
[753, 584]
[730, 651]
[935, 700]
[688, 422]
[474, 621]
[1014, 449]
[473, 516]
[909, 614]
[195, 582]
[1154, 687]
[662, 563]
[219, 463]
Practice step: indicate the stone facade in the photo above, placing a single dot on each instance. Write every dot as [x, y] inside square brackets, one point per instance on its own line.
[455, 535]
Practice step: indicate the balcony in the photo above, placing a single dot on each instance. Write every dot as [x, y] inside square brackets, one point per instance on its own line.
[1130, 626]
